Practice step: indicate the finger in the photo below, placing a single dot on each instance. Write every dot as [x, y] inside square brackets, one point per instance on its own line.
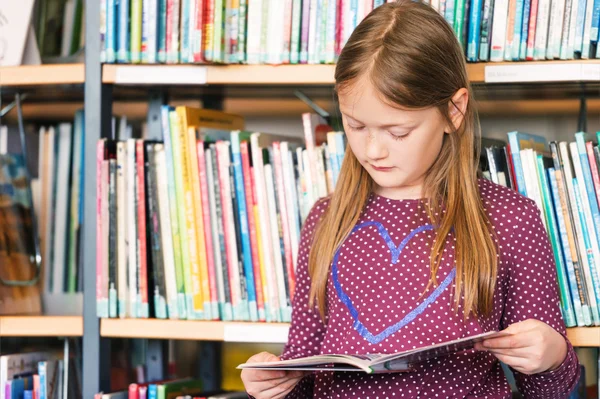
[280, 390]
[514, 362]
[520, 353]
[267, 375]
[514, 341]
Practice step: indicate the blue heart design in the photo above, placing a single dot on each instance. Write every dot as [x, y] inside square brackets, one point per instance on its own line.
[395, 252]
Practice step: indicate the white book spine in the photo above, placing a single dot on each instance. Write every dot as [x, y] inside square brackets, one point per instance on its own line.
[312, 33]
[265, 229]
[122, 295]
[132, 227]
[557, 13]
[578, 228]
[166, 232]
[499, 30]
[152, 32]
[254, 29]
[348, 22]
[48, 226]
[214, 227]
[564, 41]
[330, 35]
[321, 177]
[572, 29]
[541, 31]
[275, 239]
[275, 29]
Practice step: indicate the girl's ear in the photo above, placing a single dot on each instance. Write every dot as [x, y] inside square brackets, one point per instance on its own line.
[457, 108]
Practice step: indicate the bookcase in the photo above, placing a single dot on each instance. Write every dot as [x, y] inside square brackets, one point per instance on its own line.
[556, 85]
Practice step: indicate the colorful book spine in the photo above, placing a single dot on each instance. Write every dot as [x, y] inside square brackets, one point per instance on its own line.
[449, 12]
[197, 40]
[568, 261]
[516, 159]
[145, 30]
[101, 300]
[588, 180]
[526, 21]
[330, 32]
[242, 31]
[244, 228]
[510, 29]
[173, 26]
[141, 219]
[176, 227]
[162, 31]
[123, 53]
[595, 25]
[136, 31]
[312, 31]
[587, 30]
[475, 30]
[252, 229]
[580, 26]
[565, 294]
[304, 43]
[208, 236]
[209, 29]
[518, 27]
[218, 36]
[186, 54]
[111, 31]
[132, 240]
[122, 228]
[591, 153]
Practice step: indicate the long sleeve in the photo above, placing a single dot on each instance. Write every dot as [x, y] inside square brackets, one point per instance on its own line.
[307, 328]
[533, 294]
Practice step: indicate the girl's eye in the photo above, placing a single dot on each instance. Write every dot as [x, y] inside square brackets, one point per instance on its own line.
[357, 128]
[399, 137]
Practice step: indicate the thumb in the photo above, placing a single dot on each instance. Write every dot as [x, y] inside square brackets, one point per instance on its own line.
[263, 357]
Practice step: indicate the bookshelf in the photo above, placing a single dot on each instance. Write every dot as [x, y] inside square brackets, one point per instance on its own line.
[42, 75]
[41, 326]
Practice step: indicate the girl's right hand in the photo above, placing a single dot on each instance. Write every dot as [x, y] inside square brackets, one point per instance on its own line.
[269, 384]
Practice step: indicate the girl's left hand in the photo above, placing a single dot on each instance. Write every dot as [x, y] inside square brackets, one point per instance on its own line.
[532, 347]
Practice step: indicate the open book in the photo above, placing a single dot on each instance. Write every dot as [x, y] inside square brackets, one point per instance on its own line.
[374, 363]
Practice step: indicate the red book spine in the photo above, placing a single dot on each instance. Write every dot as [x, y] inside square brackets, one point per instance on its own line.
[99, 191]
[339, 30]
[512, 168]
[198, 40]
[143, 276]
[170, 10]
[260, 301]
[223, 180]
[133, 391]
[593, 166]
[210, 255]
[287, 245]
[532, 26]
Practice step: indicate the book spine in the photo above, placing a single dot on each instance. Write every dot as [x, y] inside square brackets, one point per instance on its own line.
[474, 31]
[449, 12]
[112, 239]
[244, 228]
[243, 312]
[122, 228]
[249, 195]
[459, 21]
[197, 39]
[304, 43]
[152, 41]
[595, 26]
[226, 309]
[145, 30]
[580, 26]
[103, 30]
[132, 245]
[267, 294]
[209, 29]
[593, 157]
[562, 226]
[184, 28]
[566, 27]
[173, 26]
[312, 32]
[264, 31]
[330, 44]
[588, 180]
[323, 7]
[587, 30]
[141, 219]
[499, 30]
[176, 227]
[525, 22]
[208, 237]
[510, 29]
[285, 228]
[233, 25]
[136, 31]
[573, 28]
[296, 31]
[102, 302]
[111, 30]
[162, 31]
[123, 53]
[166, 232]
[518, 28]
[554, 29]
[486, 30]
[218, 36]
[565, 294]
[292, 200]
[242, 31]
[287, 32]
[541, 32]
[197, 207]
[516, 158]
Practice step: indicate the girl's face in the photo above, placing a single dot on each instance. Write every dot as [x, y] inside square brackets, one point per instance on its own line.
[395, 146]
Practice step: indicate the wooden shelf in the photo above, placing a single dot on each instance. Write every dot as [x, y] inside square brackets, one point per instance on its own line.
[41, 326]
[42, 75]
[584, 336]
[311, 75]
[195, 330]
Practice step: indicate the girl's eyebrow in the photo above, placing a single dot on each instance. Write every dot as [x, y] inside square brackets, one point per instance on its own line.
[381, 126]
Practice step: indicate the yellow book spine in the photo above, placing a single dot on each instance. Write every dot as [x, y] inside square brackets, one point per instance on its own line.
[197, 202]
[196, 301]
[261, 259]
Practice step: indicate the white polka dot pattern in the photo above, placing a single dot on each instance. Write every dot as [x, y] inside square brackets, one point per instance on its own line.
[384, 293]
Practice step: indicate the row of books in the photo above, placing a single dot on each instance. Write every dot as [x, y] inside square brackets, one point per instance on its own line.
[60, 189]
[186, 388]
[206, 225]
[564, 181]
[40, 375]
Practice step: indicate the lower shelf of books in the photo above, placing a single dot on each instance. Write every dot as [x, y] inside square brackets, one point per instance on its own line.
[250, 332]
[41, 326]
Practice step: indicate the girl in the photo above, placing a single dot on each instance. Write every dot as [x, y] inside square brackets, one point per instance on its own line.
[412, 249]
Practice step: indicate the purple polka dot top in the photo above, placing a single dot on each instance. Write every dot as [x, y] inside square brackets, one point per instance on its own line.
[377, 303]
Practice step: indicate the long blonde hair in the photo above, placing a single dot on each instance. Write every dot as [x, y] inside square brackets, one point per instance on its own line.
[414, 60]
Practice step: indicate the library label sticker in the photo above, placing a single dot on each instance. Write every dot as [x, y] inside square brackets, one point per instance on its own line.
[259, 332]
[542, 72]
[161, 75]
